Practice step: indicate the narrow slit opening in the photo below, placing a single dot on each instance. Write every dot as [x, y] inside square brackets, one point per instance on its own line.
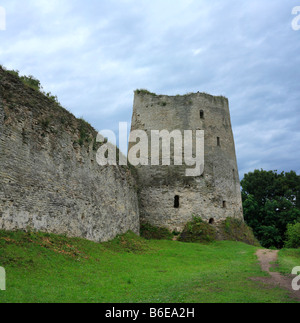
[176, 202]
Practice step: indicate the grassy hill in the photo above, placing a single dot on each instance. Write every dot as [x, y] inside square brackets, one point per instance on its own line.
[49, 268]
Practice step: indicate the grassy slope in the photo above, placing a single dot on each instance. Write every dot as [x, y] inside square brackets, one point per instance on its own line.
[287, 260]
[49, 268]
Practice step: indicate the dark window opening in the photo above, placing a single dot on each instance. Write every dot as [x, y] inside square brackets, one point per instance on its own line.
[219, 141]
[211, 221]
[224, 204]
[176, 202]
[201, 114]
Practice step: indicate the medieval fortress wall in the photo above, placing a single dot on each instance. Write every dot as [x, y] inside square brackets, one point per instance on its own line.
[50, 180]
[168, 198]
[51, 183]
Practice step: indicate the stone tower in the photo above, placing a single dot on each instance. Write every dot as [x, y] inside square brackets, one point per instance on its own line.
[170, 199]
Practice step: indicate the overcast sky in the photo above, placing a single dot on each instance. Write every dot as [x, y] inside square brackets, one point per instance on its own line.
[93, 54]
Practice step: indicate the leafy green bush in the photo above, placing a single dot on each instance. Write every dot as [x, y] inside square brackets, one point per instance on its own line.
[150, 232]
[237, 230]
[12, 72]
[198, 231]
[293, 236]
[128, 243]
[144, 91]
[31, 82]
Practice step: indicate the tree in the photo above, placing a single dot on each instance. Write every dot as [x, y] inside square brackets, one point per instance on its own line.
[293, 236]
[271, 201]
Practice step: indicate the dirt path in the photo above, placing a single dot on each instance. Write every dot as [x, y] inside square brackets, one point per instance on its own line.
[265, 257]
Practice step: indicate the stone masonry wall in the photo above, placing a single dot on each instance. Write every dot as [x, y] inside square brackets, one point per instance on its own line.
[49, 178]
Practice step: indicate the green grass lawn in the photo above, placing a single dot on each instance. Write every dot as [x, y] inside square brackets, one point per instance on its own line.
[287, 260]
[50, 268]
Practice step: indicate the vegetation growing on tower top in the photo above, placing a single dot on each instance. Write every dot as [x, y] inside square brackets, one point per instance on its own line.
[144, 91]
